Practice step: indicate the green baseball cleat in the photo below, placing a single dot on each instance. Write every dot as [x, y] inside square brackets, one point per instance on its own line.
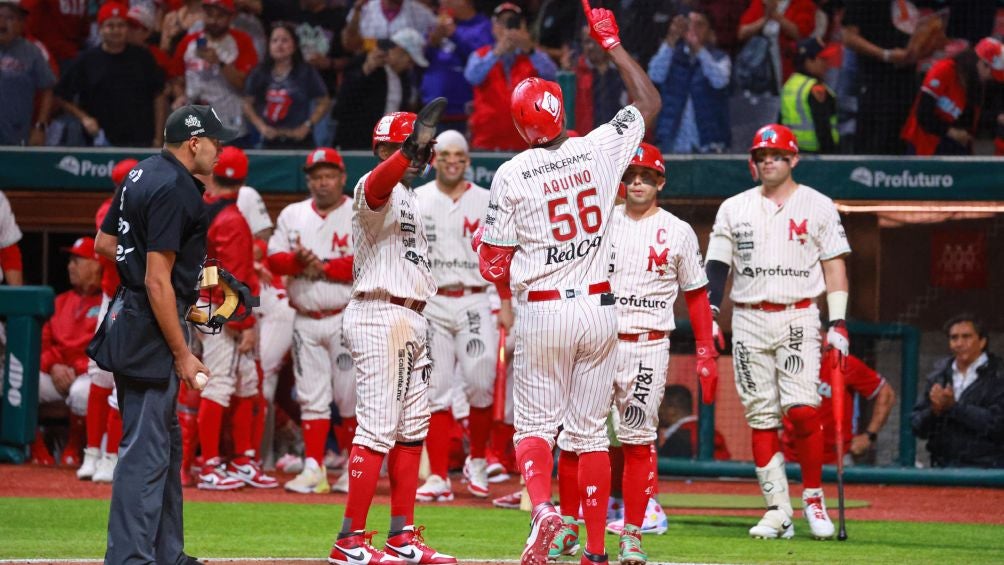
[567, 540]
[631, 552]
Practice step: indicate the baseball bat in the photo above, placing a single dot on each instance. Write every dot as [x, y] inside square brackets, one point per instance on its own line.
[837, 393]
[498, 404]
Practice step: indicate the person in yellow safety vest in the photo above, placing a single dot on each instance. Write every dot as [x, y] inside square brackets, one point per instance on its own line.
[808, 106]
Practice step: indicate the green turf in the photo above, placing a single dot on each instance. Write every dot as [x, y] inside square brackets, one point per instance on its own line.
[732, 501]
[59, 528]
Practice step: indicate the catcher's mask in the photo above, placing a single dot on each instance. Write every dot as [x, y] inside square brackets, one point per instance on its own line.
[236, 304]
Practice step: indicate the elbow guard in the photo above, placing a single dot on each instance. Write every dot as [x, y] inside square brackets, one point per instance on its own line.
[493, 262]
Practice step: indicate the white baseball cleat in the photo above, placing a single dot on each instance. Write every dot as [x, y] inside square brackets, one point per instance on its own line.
[91, 457]
[342, 484]
[774, 524]
[435, 489]
[476, 472]
[655, 521]
[313, 479]
[814, 509]
[105, 469]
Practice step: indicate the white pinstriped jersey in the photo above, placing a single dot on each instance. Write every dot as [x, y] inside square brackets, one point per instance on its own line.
[776, 250]
[554, 205]
[253, 209]
[652, 259]
[391, 247]
[329, 237]
[449, 227]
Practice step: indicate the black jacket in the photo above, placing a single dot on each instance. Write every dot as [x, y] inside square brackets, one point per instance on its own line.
[971, 433]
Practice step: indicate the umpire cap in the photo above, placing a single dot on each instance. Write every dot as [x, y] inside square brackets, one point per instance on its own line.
[196, 121]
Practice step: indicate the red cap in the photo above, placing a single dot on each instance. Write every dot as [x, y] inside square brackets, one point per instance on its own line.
[393, 128]
[324, 156]
[227, 5]
[649, 156]
[112, 10]
[992, 53]
[121, 169]
[232, 164]
[83, 247]
[774, 136]
[507, 7]
[537, 110]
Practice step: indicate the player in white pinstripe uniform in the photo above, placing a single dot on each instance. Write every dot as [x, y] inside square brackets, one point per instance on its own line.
[464, 337]
[549, 211]
[654, 256]
[787, 246]
[312, 246]
[388, 337]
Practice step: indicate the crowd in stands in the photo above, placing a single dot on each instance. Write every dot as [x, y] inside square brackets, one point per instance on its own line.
[849, 76]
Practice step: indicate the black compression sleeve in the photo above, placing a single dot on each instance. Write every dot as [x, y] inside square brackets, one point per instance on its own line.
[717, 272]
[928, 118]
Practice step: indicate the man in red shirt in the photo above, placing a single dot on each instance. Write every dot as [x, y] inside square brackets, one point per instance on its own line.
[65, 336]
[61, 25]
[859, 379]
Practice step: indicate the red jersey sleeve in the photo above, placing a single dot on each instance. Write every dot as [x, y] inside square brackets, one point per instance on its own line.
[861, 378]
[753, 13]
[938, 79]
[51, 354]
[179, 51]
[802, 13]
[247, 57]
[231, 243]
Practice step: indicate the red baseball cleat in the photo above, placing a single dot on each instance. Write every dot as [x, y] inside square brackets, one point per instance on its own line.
[247, 470]
[544, 528]
[410, 546]
[356, 550]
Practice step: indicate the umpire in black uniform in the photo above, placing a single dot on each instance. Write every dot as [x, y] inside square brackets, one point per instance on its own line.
[156, 232]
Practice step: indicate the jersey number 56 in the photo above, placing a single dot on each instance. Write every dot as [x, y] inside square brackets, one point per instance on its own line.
[563, 224]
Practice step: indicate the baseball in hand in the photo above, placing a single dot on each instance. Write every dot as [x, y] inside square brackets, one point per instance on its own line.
[200, 380]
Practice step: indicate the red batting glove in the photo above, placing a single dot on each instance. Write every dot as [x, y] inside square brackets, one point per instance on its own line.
[707, 370]
[602, 26]
[476, 238]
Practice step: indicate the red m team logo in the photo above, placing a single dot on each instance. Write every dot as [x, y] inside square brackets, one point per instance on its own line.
[658, 261]
[471, 227]
[798, 231]
[340, 244]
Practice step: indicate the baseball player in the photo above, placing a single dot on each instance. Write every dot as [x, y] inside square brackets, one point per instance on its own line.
[230, 353]
[544, 234]
[387, 335]
[464, 335]
[98, 467]
[312, 245]
[787, 247]
[654, 256]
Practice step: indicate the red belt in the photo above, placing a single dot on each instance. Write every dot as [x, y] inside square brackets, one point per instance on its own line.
[774, 307]
[544, 295]
[320, 314]
[458, 292]
[647, 336]
[410, 303]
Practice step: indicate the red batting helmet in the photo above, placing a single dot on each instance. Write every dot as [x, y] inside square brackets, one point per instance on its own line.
[537, 110]
[649, 156]
[393, 128]
[121, 169]
[774, 136]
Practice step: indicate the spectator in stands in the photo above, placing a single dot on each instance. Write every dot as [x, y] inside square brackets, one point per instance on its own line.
[885, 81]
[784, 24]
[24, 74]
[65, 336]
[643, 22]
[372, 20]
[459, 31]
[378, 84]
[284, 97]
[599, 90]
[188, 18]
[247, 19]
[217, 61]
[808, 106]
[859, 379]
[678, 426]
[114, 89]
[11, 268]
[945, 114]
[62, 26]
[961, 412]
[494, 71]
[319, 25]
[693, 76]
[142, 23]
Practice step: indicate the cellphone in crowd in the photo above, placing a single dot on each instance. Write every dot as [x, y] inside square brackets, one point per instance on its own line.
[513, 22]
[384, 44]
[201, 43]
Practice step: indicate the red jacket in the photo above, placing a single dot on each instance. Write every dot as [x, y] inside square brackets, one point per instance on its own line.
[230, 241]
[491, 124]
[941, 82]
[109, 272]
[66, 335]
[62, 26]
[802, 13]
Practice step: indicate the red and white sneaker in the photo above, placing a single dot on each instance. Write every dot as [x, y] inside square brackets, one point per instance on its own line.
[410, 546]
[544, 528]
[356, 550]
[249, 472]
[40, 453]
[510, 501]
[213, 476]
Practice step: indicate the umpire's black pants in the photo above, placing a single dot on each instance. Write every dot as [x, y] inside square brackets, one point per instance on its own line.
[144, 521]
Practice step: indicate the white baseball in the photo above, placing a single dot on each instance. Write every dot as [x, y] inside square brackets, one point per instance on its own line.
[200, 380]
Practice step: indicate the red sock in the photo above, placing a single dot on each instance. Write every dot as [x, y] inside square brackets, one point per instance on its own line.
[654, 454]
[189, 423]
[97, 414]
[344, 432]
[568, 483]
[77, 436]
[480, 427]
[536, 464]
[437, 442]
[765, 445]
[210, 427]
[637, 486]
[114, 431]
[241, 422]
[402, 466]
[809, 444]
[616, 471]
[258, 421]
[364, 472]
[594, 488]
[315, 434]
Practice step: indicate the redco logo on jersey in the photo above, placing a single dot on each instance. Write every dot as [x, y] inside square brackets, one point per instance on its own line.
[471, 227]
[561, 254]
[798, 231]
